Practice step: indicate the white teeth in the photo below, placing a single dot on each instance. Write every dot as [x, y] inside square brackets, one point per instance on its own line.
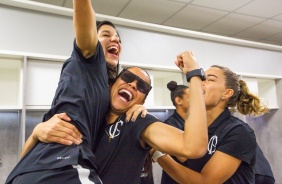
[127, 92]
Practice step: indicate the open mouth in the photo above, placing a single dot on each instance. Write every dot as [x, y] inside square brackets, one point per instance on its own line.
[113, 50]
[125, 94]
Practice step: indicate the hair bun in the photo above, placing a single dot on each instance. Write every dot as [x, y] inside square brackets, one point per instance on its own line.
[172, 85]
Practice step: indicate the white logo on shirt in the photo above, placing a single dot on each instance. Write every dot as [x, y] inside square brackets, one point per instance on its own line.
[63, 158]
[114, 131]
[212, 144]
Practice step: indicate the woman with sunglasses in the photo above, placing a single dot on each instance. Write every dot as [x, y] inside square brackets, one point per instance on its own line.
[82, 93]
[122, 147]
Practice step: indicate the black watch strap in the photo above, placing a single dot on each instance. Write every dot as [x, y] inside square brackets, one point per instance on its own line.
[198, 72]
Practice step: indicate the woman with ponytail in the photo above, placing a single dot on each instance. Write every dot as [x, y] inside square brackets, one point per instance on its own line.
[232, 144]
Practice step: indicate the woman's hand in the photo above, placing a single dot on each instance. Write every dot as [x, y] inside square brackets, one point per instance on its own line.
[134, 111]
[58, 130]
[186, 61]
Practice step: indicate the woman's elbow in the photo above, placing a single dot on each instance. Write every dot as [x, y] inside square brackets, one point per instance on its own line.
[195, 152]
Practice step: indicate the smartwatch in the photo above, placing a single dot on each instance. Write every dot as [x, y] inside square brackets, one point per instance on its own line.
[198, 72]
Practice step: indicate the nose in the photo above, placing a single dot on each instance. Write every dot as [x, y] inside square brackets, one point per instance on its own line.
[115, 38]
[133, 84]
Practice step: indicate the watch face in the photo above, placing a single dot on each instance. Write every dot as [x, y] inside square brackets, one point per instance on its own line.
[203, 74]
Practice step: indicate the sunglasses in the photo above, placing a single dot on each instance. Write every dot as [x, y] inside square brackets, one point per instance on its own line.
[128, 77]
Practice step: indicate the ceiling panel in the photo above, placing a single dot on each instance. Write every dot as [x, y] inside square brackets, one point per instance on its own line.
[277, 38]
[232, 24]
[106, 7]
[52, 2]
[278, 17]
[263, 30]
[194, 17]
[222, 4]
[262, 8]
[146, 10]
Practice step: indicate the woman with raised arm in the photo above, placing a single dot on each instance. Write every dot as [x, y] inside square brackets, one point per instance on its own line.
[83, 94]
[232, 143]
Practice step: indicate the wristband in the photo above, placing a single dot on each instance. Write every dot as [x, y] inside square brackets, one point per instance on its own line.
[157, 154]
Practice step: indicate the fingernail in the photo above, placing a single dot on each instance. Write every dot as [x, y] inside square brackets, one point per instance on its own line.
[142, 115]
[132, 119]
[126, 120]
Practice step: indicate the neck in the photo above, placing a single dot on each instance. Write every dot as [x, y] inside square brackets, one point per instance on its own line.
[182, 112]
[213, 113]
[111, 117]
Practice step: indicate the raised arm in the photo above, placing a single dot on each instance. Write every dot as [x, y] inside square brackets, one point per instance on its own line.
[84, 21]
[192, 143]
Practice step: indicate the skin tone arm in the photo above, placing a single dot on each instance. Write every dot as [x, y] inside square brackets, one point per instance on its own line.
[84, 21]
[56, 130]
[59, 130]
[217, 170]
[192, 143]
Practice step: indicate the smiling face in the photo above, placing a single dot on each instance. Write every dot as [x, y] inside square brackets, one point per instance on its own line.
[125, 94]
[110, 42]
[214, 88]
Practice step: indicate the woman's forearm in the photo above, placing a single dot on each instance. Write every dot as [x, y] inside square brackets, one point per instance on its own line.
[30, 142]
[178, 172]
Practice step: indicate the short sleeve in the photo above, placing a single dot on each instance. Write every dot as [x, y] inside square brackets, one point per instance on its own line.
[140, 125]
[240, 142]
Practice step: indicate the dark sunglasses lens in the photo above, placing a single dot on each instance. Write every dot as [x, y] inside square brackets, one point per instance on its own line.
[128, 77]
[142, 87]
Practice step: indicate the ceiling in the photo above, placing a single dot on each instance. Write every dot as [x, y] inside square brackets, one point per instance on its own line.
[254, 20]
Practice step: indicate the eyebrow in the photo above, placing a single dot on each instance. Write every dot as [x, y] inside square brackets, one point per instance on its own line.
[211, 75]
[109, 32]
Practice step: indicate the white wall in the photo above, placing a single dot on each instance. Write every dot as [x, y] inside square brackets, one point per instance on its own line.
[38, 32]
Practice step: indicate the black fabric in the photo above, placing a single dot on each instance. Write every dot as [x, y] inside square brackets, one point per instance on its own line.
[123, 154]
[174, 120]
[83, 94]
[262, 179]
[262, 169]
[54, 176]
[236, 139]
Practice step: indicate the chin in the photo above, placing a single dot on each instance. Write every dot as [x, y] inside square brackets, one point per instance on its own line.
[112, 62]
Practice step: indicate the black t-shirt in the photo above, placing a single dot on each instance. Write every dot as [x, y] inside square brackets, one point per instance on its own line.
[262, 166]
[174, 120]
[120, 159]
[82, 93]
[237, 139]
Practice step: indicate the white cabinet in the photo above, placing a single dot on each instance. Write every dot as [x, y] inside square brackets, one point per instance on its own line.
[42, 81]
[264, 87]
[10, 83]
